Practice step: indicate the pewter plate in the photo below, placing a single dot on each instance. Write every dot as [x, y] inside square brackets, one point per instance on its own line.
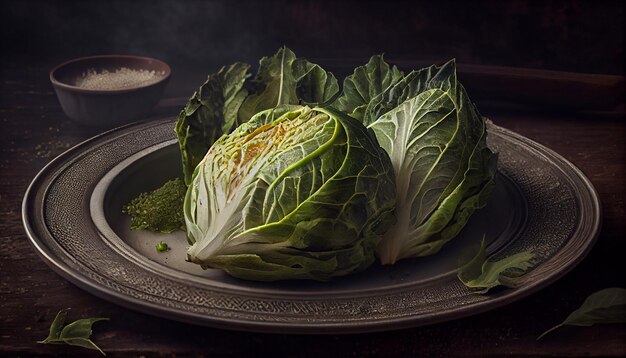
[72, 214]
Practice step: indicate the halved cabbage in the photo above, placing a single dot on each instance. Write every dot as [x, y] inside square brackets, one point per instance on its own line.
[436, 140]
[295, 193]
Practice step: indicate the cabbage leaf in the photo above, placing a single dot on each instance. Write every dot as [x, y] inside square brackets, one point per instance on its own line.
[364, 85]
[211, 111]
[285, 79]
[482, 274]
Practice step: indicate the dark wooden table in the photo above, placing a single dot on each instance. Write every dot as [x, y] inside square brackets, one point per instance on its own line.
[34, 130]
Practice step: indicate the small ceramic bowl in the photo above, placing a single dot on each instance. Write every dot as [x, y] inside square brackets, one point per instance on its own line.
[108, 107]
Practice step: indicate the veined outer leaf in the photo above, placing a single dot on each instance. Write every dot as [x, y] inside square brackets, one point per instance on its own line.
[437, 143]
[409, 86]
[605, 306]
[230, 97]
[295, 193]
[314, 86]
[274, 84]
[211, 112]
[283, 79]
[484, 274]
[366, 83]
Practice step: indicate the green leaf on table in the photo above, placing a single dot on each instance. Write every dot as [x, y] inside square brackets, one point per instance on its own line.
[483, 274]
[82, 342]
[605, 306]
[76, 333]
[56, 326]
[80, 328]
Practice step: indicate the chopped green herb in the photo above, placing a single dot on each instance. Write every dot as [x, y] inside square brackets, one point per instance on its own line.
[162, 247]
[160, 210]
[76, 333]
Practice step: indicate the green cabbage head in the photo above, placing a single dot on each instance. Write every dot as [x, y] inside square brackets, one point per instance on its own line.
[437, 142]
[295, 193]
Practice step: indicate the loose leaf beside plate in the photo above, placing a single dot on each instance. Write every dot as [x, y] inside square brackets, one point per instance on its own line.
[605, 306]
[76, 333]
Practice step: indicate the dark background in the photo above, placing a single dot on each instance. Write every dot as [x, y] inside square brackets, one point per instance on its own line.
[579, 36]
[573, 114]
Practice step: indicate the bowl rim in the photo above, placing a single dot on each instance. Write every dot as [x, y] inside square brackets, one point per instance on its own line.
[58, 83]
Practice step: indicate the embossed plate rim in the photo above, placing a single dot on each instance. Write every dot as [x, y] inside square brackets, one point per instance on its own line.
[33, 203]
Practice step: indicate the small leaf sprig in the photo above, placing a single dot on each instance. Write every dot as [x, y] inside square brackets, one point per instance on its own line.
[484, 275]
[605, 306]
[76, 333]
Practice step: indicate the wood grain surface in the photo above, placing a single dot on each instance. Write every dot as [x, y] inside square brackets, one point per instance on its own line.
[33, 129]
